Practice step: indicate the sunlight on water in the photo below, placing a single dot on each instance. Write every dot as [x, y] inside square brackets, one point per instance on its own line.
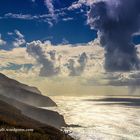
[98, 120]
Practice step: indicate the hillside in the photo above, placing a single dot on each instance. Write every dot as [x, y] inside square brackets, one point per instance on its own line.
[12, 118]
[21, 92]
[43, 115]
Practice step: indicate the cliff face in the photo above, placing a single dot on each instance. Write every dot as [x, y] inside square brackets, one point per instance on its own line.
[23, 93]
[11, 117]
[43, 115]
[28, 100]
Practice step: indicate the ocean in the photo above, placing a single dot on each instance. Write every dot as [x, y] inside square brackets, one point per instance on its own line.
[100, 118]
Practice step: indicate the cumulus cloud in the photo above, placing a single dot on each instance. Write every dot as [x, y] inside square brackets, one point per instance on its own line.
[81, 64]
[47, 61]
[76, 67]
[62, 59]
[2, 42]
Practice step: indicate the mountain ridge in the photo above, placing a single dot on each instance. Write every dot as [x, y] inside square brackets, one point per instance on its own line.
[24, 93]
[12, 118]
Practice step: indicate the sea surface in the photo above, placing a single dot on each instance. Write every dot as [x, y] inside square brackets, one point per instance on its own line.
[101, 118]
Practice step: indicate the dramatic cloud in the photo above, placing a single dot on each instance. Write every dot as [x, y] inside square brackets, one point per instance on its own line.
[116, 22]
[47, 61]
[75, 67]
[77, 70]
[63, 59]
[2, 42]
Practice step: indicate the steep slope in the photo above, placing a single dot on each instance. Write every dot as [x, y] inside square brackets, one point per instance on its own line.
[45, 116]
[21, 92]
[12, 118]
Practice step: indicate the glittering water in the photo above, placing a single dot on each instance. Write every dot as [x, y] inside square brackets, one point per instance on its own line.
[100, 120]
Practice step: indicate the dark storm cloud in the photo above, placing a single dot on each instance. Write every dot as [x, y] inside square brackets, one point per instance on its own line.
[116, 22]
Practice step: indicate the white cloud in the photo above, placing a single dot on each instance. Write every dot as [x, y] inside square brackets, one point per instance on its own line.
[16, 55]
[66, 59]
[75, 5]
[19, 16]
[47, 60]
[80, 3]
[2, 42]
[67, 18]
[79, 67]
[54, 17]
[19, 40]
[50, 18]
[50, 6]
[65, 41]
[10, 33]
[19, 34]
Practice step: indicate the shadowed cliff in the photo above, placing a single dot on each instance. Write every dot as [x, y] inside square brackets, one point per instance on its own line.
[21, 92]
[12, 118]
[43, 115]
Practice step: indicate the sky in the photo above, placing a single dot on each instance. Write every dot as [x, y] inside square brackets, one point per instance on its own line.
[39, 20]
[58, 22]
[53, 45]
